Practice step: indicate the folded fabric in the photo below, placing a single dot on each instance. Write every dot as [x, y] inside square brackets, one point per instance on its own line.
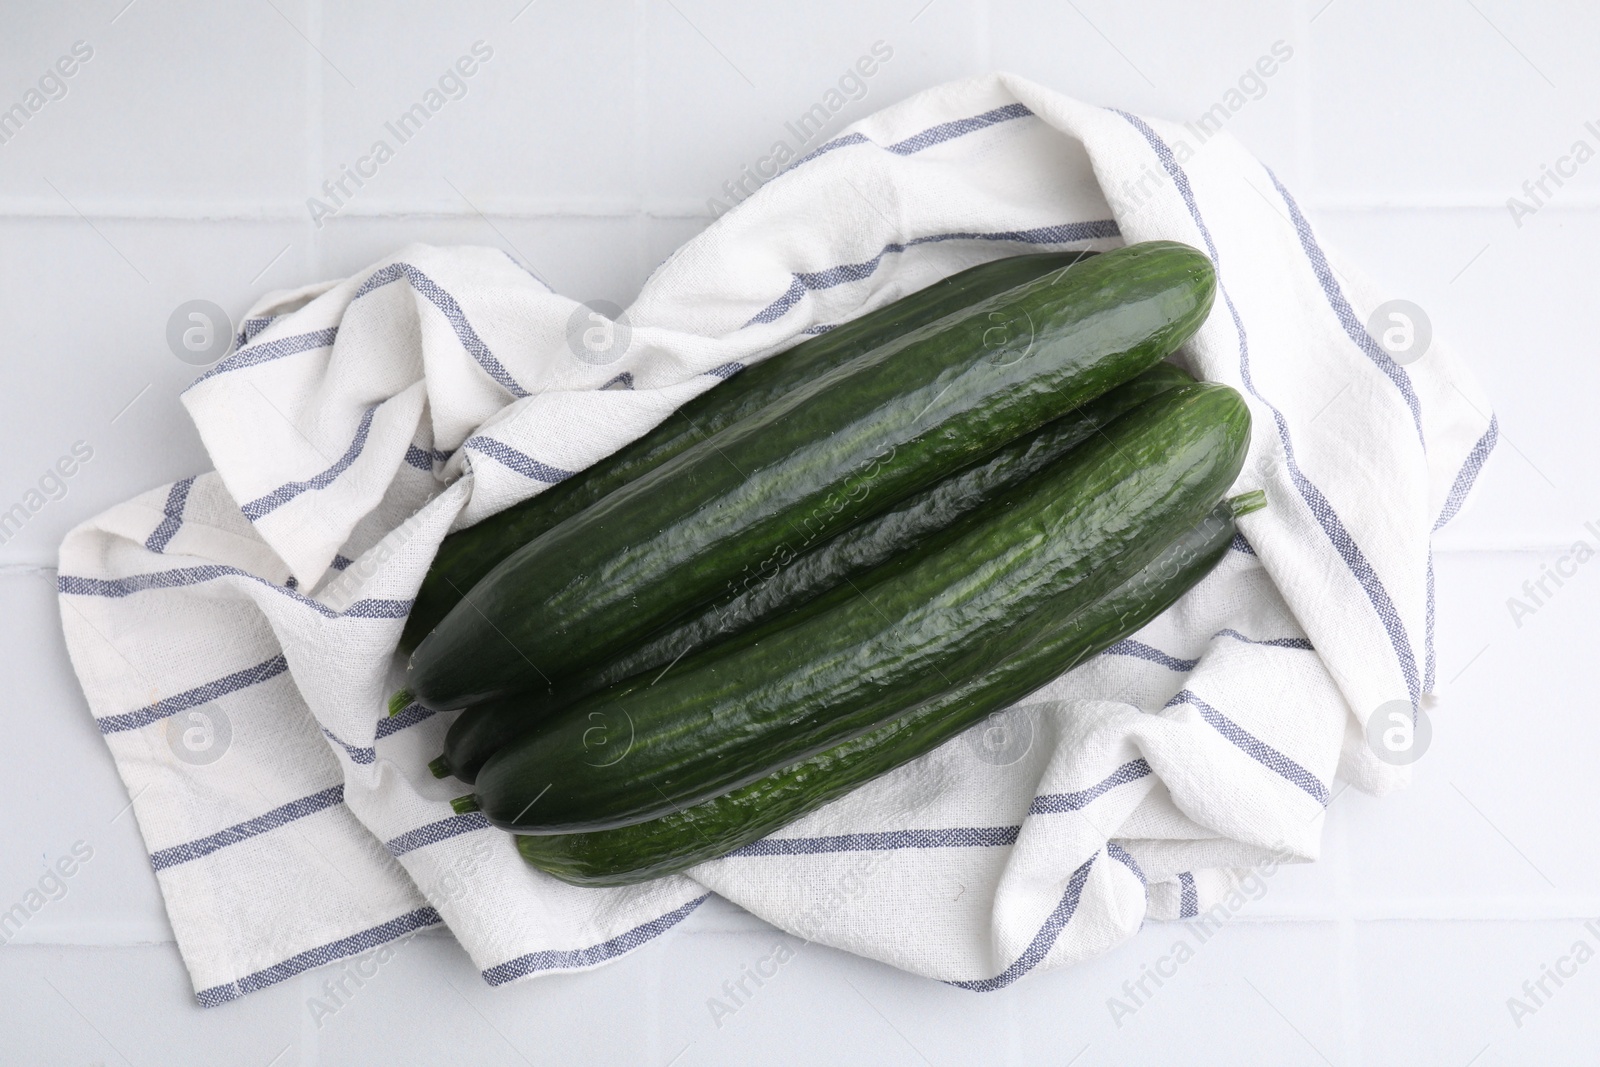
[235, 632]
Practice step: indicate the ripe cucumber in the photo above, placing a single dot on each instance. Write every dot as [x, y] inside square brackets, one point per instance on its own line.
[784, 581]
[735, 713]
[467, 555]
[675, 842]
[845, 446]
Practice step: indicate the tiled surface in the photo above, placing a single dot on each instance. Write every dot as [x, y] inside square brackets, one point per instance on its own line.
[178, 165]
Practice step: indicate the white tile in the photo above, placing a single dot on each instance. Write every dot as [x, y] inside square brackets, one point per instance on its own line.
[1168, 60]
[67, 1005]
[547, 117]
[1439, 992]
[728, 83]
[428, 1004]
[181, 107]
[1503, 798]
[86, 337]
[1440, 99]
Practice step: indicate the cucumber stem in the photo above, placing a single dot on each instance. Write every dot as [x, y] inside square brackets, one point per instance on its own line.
[465, 805]
[1245, 503]
[440, 767]
[399, 702]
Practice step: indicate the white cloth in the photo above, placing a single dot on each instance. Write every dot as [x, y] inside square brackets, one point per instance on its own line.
[361, 420]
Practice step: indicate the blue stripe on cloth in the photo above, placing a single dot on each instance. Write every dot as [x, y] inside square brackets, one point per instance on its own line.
[1129, 647]
[1059, 803]
[726, 370]
[1354, 328]
[1465, 477]
[424, 458]
[621, 381]
[843, 141]
[555, 959]
[364, 756]
[1468, 474]
[1138, 649]
[193, 698]
[409, 715]
[1124, 857]
[1300, 643]
[161, 859]
[510, 458]
[1427, 633]
[944, 131]
[885, 841]
[251, 328]
[949, 131]
[260, 508]
[172, 516]
[433, 832]
[1315, 501]
[1255, 748]
[1239, 544]
[1042, 942]
[340, 562]
[267, 351]
[810, 281]
[343, 948]
[1188, 896]
[180, 577]
[953, 837]
[465, 334]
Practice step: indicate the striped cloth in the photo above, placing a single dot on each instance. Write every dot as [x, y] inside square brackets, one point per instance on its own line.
[235, 632]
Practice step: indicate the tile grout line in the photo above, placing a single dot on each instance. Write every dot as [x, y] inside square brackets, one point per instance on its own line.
[1305, 160]
[309, 1051]
[641, 89]
[1349, 968]
[667, 208]
[315, 130]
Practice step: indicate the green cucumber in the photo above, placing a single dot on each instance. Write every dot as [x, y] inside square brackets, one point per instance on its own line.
[709, 830]
[784, 581]
[467, 555]
[842, 448]
[732, 714]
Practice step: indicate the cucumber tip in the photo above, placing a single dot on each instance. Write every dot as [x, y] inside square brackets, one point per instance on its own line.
[399, 702]
[1245, 503]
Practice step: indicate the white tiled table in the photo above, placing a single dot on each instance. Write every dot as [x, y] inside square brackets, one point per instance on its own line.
[178, 166]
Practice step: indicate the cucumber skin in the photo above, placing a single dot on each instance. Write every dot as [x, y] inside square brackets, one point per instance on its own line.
[467, 555]
[484, 728]
[842, 448]
[722, 719]
[711, 829]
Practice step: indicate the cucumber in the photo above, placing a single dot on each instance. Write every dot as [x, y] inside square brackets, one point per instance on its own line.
[675, 842]
[779, 584]
[727, 716]
[467, 555]
[838, 450]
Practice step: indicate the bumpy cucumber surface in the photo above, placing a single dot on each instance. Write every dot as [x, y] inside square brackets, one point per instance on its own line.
[771, 587]
[844, 447]
[677, 841]
[732, 714]
[467, 555]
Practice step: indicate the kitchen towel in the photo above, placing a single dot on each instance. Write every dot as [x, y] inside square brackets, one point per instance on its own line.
[235, 632]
